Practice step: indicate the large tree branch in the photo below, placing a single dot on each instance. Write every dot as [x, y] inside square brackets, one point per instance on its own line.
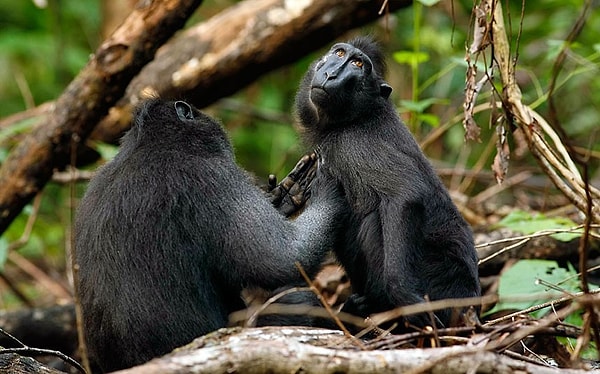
[297, 349]
[86, 100]
[232, 49]
[292, 350]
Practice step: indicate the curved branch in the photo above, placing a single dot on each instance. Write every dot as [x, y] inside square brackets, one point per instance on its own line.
[233, 48]
[295, 349]
[562, 172]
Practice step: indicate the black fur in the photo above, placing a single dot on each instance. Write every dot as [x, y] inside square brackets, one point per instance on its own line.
[405, 238]
[171, 230]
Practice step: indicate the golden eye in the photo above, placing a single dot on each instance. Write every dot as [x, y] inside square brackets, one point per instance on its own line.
[358, 63]
[340, 53]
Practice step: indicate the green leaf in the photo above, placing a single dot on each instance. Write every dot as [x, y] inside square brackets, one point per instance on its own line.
[429, 2]
[430, 119]
[17, 128]
[107, 151]
[3, 252]
[410, 57]
[3, 154]
[527, 223]
[418, 106]
[590, 352]
[522, 281]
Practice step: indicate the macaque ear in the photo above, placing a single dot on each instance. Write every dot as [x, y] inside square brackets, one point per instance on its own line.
[184, 110]
[385, 90]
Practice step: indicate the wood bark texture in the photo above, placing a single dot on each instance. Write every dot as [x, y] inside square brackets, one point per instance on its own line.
[303, 350]
[232, 49]
[15, 364]
[272, 350]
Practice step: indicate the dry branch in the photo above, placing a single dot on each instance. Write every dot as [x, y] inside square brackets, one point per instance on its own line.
[16, 364]
[553, 157]
[294, 350]
[262, 348]
[86, 100]
[232, 49]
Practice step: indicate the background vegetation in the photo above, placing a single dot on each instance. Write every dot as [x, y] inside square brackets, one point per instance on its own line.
[43, 47]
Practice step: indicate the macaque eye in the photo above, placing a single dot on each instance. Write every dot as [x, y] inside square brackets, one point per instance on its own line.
[340, 52]
[358, 63]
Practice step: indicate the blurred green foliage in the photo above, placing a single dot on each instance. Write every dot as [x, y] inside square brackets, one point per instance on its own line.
[42, 49]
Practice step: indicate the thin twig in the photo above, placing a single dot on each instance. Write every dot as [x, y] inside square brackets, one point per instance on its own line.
[72, 175]
[25, 350]
[328, 308]
[395, 313]
[15, 290]
[536, 234]
[519, 334]
[504, 250]
[497, 188]
[71, 262]
[252, 320]
[541, 306]
[28, 226]
[55, 287]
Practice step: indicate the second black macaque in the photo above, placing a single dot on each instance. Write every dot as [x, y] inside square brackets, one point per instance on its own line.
[405, 239]
[171, 230]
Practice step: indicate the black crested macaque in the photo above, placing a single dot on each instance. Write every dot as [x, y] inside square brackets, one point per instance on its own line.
[171, 230]
[405, 239]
